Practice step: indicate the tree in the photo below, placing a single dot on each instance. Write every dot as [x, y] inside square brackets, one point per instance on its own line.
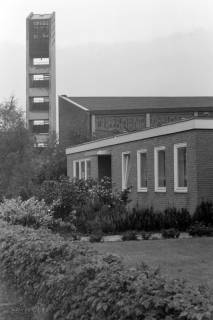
[15, 151]
[51, 162]
[22, 166]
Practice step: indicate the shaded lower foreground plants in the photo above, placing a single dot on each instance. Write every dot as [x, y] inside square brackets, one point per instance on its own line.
[65, 280]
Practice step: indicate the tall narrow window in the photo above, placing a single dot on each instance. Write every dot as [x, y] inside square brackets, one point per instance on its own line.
[77, 170]
[142, 170]
[180, 168]
[88, 168]
[160, 169]
[82, 169]
[125, 169]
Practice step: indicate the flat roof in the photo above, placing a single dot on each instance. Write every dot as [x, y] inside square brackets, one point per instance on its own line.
[135, 104]
[36, 16]
[181, 126]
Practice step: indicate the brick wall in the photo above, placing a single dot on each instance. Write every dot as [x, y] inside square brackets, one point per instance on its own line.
[74, 124]
[159, 200]
[204, 156]
[199, 169]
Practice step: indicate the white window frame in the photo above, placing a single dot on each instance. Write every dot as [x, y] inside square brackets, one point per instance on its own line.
[139, 188]
[124, 187]
[74, 167]
[176, 187]
[156, 151]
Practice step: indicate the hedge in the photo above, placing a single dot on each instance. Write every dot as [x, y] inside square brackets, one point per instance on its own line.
[66, 280]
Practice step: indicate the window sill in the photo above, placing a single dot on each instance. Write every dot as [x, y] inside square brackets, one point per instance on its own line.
[181, 190]
[142, 190]
[160, 190]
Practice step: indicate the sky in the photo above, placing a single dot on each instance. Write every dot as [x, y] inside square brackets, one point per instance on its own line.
[115, 35]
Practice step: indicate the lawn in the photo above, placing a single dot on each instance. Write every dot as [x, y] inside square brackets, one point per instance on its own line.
[191, 259]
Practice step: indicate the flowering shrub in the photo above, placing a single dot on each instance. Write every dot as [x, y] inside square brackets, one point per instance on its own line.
[65, 280]
[32, 213]
[91, 202]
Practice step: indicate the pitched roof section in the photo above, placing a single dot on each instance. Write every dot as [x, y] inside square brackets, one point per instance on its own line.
[106, 105]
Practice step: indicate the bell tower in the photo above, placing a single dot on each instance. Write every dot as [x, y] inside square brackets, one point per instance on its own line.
[40, 76]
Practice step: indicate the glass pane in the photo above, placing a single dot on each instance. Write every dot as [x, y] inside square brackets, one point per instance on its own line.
[143, 169]
[161, 169]
[126, 169]
[88, 169]
[82, 169]
[182, 176]
[77, 173]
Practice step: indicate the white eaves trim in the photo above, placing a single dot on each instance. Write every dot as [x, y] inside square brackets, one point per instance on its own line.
[145, 134]
[75, 103]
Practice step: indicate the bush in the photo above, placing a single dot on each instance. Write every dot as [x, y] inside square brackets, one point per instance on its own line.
[149, 220]
[129, 235]
[65, 280]
[96, 237]
[179, 219]
[30, 213]
[170, 233]
[33, 213]
[204, 213]
[146, 235]
[201, 231]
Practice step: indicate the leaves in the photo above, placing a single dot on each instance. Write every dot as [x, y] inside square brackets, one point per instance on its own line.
[67, 280]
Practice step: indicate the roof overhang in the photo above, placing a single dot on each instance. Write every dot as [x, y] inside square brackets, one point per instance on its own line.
[182, 126]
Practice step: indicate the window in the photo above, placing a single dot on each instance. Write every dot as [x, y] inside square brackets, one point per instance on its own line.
[40, 77]
[125, 169]
[142, 170]
[40, 126]
[180, 169]
[41, 61]
[160, 169]
[82, 169]
[40, 99]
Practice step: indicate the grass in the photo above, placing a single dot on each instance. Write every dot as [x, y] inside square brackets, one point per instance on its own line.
[190, 259]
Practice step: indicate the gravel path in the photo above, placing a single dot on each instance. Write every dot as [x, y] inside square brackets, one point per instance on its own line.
[11, 306]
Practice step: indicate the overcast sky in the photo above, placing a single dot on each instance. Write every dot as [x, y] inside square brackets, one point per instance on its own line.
[83, 22]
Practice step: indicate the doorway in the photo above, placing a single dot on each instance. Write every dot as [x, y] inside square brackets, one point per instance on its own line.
[104, 166]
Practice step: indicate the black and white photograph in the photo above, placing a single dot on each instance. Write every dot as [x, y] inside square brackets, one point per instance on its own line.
[106, 160]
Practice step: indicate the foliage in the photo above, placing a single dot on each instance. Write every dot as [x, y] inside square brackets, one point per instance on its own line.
[15, 152]
[22, 166]
[146, 235]
[204, 213]
[170, 233]
[51, 162]
[65, 280]
[32, 213]
[92, 202]
[149, 220]
[96, 237]
[198, 230]
[129, 235]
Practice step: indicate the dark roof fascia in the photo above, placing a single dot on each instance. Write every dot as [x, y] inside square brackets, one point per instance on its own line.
[150, 110]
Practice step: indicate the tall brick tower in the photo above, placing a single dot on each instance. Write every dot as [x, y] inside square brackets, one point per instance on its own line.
[40, 76]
